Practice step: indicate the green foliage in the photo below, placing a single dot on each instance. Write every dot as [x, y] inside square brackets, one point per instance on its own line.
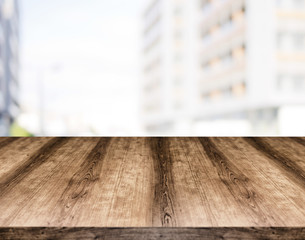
[18, 131]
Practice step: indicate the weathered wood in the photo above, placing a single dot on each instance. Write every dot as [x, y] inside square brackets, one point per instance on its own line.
[151, 233]
[152, 182]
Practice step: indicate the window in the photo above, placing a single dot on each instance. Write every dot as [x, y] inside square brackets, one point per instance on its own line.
[284, 41]
[299, 82]
[206, 37]
[292, 4]
[227, 92]
[284, 83]
[178, 34]
[239, 52]
[178, 10]
[226, 22]
[280, 40]
[206, 5]
[279, 3]
[216, 94]
[298, 3]
[291, 83]
[239, 89]
[238, 15]
[227, 58]
[299, 41]
[206, 66]
[291, 41]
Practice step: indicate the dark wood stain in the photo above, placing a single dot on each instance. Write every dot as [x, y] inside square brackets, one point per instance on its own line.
[8, 182]
[7, 141]
[238, 183]
[83, 180]
[163, 195]
[204, 200]
[288, 166]
[212, 185]
[228, 233]
[298, 140]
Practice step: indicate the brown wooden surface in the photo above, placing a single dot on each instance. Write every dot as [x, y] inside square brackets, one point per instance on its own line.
[152, 182]
[152, 233]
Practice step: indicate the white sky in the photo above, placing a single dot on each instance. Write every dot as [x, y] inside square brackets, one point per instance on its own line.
[86, 52]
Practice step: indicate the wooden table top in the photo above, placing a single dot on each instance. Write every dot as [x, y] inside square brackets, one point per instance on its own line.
[152, 182]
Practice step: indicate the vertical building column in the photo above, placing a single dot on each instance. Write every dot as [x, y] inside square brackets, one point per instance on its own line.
[167, 50]
[9, 61]
[261, 37]
[192, 57]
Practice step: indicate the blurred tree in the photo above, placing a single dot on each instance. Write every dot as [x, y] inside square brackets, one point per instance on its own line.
[18, 131]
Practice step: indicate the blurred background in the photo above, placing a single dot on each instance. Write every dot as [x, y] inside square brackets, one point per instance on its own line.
[152, 67]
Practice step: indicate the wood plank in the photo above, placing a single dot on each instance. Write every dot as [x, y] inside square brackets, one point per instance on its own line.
[152, 233]
[18, 149]
[152, 182]
[37, 184]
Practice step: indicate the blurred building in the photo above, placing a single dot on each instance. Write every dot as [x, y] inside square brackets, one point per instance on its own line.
[9, 41]
[239, 61]
[168, 62]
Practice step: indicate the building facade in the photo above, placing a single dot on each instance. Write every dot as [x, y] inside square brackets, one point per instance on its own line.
[239, 60]
[168, 62]
[9, 63]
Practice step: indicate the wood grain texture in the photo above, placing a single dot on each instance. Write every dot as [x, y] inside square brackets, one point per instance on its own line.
[152, 182]
[151, 233]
